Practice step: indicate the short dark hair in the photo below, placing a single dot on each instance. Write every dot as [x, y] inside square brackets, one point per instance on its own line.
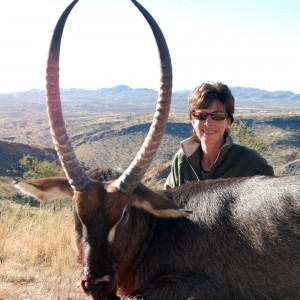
[203, 96]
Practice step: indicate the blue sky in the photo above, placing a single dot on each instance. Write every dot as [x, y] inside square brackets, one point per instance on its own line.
[243, 43]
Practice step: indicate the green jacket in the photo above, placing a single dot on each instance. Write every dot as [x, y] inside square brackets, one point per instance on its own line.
[233, 161]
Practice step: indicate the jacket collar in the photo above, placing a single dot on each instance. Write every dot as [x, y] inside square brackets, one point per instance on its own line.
[190, 145]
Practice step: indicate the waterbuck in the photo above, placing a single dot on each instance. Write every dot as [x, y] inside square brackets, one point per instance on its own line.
[220, 239]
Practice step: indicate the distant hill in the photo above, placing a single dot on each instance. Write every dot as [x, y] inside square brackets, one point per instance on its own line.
[124, 98]
[11, 153]
[121, 116]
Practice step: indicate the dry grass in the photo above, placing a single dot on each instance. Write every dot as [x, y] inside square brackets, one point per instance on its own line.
[37, 254]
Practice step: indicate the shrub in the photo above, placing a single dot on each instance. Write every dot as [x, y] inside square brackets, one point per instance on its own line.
[244, 135]
[34, 168]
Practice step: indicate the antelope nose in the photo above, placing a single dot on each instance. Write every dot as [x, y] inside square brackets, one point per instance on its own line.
[95, 288]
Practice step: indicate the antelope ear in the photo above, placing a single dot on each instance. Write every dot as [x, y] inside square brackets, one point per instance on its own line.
[162, 212]
[157, 204]
[46, 189]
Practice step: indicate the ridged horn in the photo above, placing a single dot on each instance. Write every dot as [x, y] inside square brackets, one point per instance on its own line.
[131, 177]
[75, 173]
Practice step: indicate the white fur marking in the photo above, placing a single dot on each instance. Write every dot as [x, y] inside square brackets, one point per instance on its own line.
[112, 232]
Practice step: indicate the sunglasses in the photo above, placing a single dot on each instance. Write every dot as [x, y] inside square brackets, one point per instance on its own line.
[215, 115]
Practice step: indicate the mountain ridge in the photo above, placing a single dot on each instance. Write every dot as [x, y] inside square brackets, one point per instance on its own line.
[123, 87]
[125, 98]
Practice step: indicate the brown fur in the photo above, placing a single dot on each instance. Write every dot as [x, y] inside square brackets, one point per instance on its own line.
[241, 242]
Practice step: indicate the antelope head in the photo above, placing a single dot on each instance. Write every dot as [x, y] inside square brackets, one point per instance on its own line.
[100, 204]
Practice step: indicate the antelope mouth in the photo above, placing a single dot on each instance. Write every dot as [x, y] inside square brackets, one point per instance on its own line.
[100, 290]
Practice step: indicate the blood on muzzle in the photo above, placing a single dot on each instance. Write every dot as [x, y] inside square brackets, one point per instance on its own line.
[95, 288]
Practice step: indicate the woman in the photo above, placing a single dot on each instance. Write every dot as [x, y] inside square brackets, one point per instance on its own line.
[210, 152]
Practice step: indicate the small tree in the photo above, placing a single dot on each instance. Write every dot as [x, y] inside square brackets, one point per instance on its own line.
[243, 135]
[34, 168]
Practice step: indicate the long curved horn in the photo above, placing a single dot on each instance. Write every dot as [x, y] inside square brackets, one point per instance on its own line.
[135, 172]
[75, 173]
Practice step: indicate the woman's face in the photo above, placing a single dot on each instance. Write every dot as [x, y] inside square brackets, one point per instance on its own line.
[211, 131]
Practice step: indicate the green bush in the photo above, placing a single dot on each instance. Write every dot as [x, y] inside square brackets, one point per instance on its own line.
[244, 135]
[34, 168]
